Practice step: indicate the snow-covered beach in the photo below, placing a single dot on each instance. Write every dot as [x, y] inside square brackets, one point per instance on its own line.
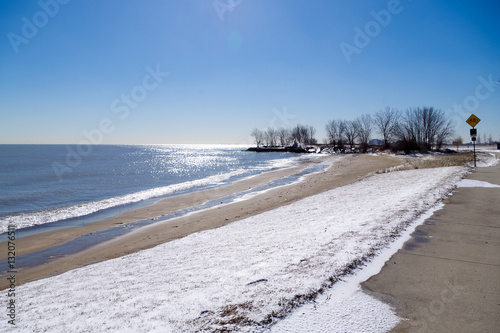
[246, 275]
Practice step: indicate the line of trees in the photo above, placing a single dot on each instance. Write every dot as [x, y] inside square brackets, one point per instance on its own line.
[483, 139]
[416, 129]
[422, 129]
[302, 134]
[342, 133]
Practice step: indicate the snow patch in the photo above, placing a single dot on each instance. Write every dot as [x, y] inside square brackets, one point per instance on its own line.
[487, 160]
[329, 311]
[475, 183]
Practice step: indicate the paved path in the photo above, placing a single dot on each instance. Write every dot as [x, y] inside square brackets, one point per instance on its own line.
[447, 277]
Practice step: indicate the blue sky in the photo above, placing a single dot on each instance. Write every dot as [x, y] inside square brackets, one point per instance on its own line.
[204, 71]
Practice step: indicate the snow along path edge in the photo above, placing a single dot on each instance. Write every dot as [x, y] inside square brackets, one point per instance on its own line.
[202, 282]
[347, 307]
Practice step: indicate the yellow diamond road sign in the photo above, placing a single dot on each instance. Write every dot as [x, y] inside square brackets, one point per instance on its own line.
[473, 121]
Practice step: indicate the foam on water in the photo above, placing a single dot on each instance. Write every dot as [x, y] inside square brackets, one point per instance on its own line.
[63, 213]
[116, 176]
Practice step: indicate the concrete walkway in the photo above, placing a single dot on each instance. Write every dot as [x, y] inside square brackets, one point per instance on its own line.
[447, 277]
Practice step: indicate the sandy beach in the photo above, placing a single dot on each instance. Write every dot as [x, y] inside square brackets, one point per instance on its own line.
[254, 264]
[251, 274]
[344, 170]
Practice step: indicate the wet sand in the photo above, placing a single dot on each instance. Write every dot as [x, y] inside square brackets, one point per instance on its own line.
[343, 171]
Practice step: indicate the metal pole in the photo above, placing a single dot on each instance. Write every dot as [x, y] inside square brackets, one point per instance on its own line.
[474, 153]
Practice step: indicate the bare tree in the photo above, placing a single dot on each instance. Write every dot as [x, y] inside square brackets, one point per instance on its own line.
[335, 131]
[271, 137]
[386, 121]
[423, 128]
[438, 128]
[490, 139]
[341, 134]
[458, 142]
[304, 134]
[408, 130]
[444, 132]
[258, 136]
[296, 134]
[351, 132]
[311, 139]
[331, 129]
[283, 136]
[364, 127]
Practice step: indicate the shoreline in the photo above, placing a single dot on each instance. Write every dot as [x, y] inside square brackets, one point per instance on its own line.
[341, 172]
[252, 272]
[164, 206]
[41, 253]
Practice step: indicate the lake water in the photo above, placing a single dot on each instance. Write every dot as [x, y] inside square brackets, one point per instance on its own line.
[53, 185]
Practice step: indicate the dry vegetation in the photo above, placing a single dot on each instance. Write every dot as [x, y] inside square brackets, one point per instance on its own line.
[433, 161]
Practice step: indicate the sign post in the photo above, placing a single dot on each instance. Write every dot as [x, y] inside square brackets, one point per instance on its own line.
[473, 121]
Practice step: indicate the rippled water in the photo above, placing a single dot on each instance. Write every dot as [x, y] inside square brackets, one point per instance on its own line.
[52, 183]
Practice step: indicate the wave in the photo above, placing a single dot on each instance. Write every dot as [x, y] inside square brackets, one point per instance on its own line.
[62, 213]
